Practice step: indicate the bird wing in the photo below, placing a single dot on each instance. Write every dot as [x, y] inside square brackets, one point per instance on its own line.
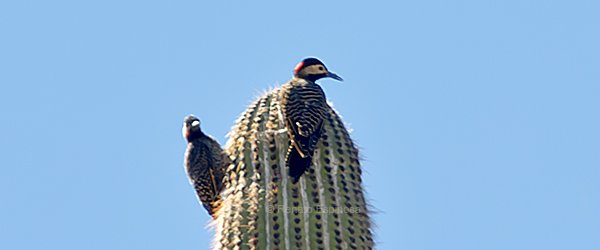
[205, 173]
[220, 163]
[305, 110]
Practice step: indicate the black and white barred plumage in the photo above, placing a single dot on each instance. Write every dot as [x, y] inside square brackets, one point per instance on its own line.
[304, 107]
[205, 164]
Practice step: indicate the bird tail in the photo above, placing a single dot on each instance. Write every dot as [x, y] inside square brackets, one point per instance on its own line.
[296, 163]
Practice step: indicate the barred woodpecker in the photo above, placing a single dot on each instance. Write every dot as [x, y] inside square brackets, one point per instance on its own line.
[304, 108]
[205, 163]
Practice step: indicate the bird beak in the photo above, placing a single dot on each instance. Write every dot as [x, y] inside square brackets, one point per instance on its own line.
[334, 76]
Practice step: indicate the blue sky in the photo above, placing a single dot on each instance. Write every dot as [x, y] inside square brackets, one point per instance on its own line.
[477, 120]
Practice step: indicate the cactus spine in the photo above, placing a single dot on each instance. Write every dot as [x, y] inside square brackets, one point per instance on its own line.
[263, 209]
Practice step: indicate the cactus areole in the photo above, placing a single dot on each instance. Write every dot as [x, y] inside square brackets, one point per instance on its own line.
[262, 208]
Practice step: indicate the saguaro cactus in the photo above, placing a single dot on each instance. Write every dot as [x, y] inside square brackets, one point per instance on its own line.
[263, 209]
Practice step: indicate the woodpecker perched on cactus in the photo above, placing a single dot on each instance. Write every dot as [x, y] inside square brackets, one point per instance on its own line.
[204, 163]
[304, 107]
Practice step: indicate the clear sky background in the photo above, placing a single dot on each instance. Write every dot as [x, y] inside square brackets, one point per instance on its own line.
[478, 121]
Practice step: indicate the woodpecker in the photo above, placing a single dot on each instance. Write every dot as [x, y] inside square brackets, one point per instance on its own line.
[304, 108]
[205, 163]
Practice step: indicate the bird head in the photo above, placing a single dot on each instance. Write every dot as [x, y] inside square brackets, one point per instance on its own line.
[313, 69]
[191, 127]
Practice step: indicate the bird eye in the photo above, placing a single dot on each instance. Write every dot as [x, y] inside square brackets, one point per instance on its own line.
[320, 67]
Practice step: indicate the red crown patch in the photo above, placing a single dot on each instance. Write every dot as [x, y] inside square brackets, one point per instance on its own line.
[298, 67]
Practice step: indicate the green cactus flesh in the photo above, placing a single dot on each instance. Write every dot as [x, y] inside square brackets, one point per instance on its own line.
[262, 209]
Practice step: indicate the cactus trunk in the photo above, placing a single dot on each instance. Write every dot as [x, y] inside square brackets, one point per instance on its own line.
[262, 209]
